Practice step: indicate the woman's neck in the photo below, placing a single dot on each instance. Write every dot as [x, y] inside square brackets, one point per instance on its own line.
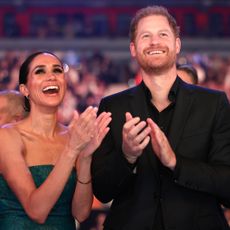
[44, 124]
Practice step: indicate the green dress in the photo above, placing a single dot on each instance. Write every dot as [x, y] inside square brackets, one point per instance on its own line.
[13, 216]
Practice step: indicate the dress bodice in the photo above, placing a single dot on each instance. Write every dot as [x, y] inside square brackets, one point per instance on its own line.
[13, 216]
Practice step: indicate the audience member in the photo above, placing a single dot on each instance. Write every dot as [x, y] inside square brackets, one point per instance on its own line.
[187, 73]
[11, 106]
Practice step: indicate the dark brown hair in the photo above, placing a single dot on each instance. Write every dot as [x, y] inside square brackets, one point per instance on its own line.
[152, 10]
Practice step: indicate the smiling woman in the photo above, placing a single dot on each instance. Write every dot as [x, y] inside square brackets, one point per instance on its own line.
[45, 178]
[52, 72]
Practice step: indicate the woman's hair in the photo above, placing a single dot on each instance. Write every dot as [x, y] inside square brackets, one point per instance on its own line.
[24, 71]
[149, 11]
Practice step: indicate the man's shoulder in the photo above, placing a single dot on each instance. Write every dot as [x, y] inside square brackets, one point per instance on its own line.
[202, 90]
[204, 96]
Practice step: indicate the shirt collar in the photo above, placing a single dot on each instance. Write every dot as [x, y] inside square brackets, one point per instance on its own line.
[172, 93]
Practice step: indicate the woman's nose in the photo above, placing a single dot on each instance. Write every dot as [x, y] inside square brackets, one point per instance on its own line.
[51, 76]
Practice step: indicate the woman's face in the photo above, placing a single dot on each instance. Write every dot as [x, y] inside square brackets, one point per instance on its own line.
[46, 84]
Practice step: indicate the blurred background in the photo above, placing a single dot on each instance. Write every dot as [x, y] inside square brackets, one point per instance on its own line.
[91, 36]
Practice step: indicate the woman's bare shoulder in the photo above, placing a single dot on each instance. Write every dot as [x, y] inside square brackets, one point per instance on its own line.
[9, 128]
[11, 146]
[9, 134]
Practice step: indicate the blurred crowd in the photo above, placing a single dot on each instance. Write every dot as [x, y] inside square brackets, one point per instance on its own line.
[95, 75]
[45, 22]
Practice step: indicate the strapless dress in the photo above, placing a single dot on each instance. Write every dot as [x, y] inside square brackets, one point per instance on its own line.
[13, 216]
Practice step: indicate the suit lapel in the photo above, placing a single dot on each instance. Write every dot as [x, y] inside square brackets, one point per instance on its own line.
[138, 105]
[181, 112]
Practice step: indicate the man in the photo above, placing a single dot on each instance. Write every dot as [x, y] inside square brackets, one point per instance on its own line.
[187, 73]
[11, 106]
[166, 161]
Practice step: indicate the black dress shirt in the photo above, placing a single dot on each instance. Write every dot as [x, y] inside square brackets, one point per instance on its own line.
[163, 120]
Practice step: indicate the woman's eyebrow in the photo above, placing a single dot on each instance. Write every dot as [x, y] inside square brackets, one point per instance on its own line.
[42, 66]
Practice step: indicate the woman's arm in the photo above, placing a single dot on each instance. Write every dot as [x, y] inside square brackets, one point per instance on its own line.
[38, 202]
[83, 196]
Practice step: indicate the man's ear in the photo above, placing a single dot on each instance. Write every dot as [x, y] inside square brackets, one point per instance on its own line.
[23, 89]
[132, 49]
[178, 45]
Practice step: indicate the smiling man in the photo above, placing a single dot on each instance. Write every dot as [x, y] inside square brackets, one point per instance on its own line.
[165, 163]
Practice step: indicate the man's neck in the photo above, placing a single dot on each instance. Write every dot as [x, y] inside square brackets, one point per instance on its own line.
[159, 86]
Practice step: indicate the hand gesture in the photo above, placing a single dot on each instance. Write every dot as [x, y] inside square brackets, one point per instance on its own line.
[161, 146]
[82, 129]
[135, 137]
[99, 133]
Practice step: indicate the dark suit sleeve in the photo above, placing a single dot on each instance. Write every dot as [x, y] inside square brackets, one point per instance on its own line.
[110, 170]
[212, 176]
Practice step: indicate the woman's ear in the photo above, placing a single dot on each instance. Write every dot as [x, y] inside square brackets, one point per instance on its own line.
[23, 89]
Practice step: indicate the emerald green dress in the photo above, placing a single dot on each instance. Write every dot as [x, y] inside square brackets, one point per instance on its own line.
[13, 216]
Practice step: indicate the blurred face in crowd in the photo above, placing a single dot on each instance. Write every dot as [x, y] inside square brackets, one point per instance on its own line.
[155, 46]
[46, 84]
[185, 76]
[11, 106]
[4, 115]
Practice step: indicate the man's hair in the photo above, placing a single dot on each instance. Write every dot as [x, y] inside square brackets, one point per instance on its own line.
[149, 11]
[16, 103]
[190, 70]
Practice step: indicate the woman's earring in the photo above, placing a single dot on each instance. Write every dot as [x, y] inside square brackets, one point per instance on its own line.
[28, 97]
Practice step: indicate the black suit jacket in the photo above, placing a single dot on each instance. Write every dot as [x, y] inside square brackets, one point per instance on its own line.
[190, 196]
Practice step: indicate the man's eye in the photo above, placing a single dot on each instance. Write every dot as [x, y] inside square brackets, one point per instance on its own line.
[164, 34]
[145, 36]
[39, 71]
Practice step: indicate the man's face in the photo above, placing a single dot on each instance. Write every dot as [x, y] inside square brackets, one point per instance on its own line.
[4, 115]
[155, 46]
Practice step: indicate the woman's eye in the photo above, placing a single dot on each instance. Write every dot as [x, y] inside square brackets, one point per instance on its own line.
[39, 71]
[58, 70]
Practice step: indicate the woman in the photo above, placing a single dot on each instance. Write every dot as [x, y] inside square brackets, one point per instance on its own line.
[45, 179]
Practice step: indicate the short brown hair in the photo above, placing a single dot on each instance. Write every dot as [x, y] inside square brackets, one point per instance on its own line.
[152, 10]
[15, 103]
